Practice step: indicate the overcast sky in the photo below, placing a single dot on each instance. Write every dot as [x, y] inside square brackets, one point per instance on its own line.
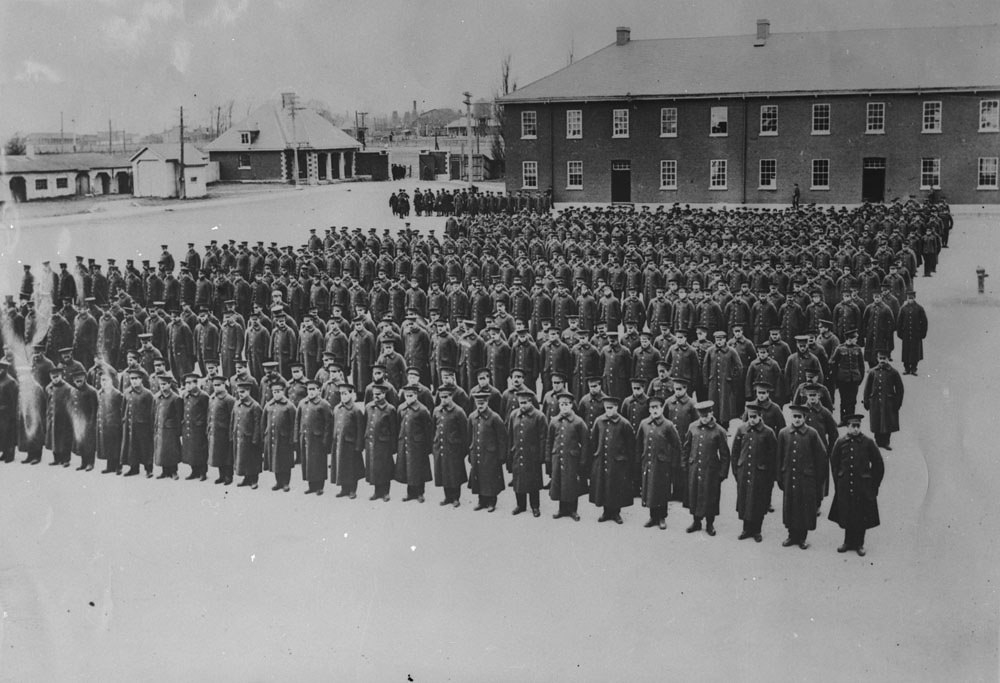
[137, 61]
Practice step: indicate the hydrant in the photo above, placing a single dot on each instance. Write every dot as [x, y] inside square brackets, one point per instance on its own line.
[981, 276]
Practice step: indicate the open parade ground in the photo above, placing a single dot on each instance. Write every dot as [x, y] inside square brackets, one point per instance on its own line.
[108, 579]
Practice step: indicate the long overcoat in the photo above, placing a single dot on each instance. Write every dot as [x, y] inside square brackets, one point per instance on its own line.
[883, 397]
[451, 446]
[413, 449]
[801, 460]
[526, 434]
[611, 456]
[722, 370]
[658, 450]
[755, 466]
[31, 415]
[911, 328]
[247, 436]
[487, 450]
[278, 439]
[857, 475]
[59, 418]
[314, 427]
[219, 430]
[168, 417]
[347, 462]
[83, 406]
[194, 435]
[381, 435]
[110, 410]
[707, 455]
[566, 448]
[8, 413]
[137, 428]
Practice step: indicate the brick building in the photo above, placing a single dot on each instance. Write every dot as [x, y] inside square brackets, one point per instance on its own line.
[855, 115]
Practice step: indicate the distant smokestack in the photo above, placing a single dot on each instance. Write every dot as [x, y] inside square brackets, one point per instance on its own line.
[763, 32]
[622, 35]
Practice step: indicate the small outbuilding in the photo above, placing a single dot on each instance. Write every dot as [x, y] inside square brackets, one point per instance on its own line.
[156, 171]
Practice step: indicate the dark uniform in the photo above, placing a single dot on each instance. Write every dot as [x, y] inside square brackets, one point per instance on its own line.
[707, 453]
[314, 430]
[857, 475]
[487, 450]
[755, 466]
[658, 450]
[612, 443]
[526, 434]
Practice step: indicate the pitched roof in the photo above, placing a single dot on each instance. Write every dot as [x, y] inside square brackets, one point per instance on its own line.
[864, 60]
[54, 163]
[172, 152]
[275, 131]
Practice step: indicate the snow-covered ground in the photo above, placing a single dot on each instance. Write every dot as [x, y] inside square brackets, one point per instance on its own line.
[107, 579]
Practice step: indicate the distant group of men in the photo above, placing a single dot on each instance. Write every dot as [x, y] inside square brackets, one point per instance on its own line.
[470, 202]
[597, 352]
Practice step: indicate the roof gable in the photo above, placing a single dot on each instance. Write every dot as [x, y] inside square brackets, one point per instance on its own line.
[171, 152]
[277, 131]
[865, 60]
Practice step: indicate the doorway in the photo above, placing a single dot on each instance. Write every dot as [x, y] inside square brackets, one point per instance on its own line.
[123, 182]
[18, 189]
[82, 184]
[103, 181]
[873, 179]
[621, 181]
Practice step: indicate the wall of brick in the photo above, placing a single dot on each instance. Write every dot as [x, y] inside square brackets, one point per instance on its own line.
[263, 166]
[902, 145]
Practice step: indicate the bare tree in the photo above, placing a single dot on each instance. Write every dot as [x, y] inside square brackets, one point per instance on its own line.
[507, 86]
[16, 145]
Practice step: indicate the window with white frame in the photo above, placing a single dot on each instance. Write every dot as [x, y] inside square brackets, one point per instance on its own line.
[245, 138]
[769, 119]
[529, 125]
[821, 119]
[619, 123]
[820, 174]
[574, 123]
[875, 118]
[768, 174]
[574, 175]
[988, 167]
[668, 174]
[529, 175]
[717, 179]
[668, 122]
[931, 118]
[930, 173]
[989, 116]
[719, 121]
[244, 161]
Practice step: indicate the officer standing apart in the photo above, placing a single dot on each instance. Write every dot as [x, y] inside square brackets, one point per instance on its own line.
[857, 475]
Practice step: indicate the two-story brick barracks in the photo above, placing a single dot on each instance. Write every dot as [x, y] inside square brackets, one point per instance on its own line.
[848, 116]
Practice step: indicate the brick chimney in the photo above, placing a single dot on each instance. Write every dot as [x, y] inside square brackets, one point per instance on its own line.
[763, 32]
[622, 35]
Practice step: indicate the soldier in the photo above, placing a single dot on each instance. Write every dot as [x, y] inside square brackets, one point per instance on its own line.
[278, 439]
[59, 418]
[451, 445]
[755, 466]
[168, 417]
[611, 452]
[32, 421]
[110, 411]
[194, 437]
[566, 451]
[246, 436]
[911, 328]
[858, 470]
[219, 429]
[347, 462]
[414, 444]
[314, 432]
[137, 425]
[722, 371]
[801, 461]
[658, 450]
[83, 406]
[680, 410]
[381, 436]
[847, 364]
[883, 397]
[8, 413]
[526, 434]
[487, 450]
[707, 455]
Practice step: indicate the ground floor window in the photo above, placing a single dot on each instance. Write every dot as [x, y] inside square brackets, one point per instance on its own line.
[62, 183]
[988, 167]
[930, 174]
[529, 175]
[41, 183]
[768, 174]
[717, 175]
[574, 175]
[820, 174]
[244, 161]
[668, 174]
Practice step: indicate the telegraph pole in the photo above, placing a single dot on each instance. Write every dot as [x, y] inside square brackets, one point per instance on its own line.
[183, 186]
[109, 137]
[62, 134]
[468, 121]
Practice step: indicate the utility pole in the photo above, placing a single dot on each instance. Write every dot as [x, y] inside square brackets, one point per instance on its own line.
[109, 137]
[364, 131]
[293, 107]
[468, 121]
[61, 132]
[183, 187]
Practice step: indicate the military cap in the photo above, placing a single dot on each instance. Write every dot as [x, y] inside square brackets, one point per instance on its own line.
[704, 406]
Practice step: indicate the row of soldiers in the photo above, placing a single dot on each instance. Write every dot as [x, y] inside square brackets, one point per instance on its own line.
[468, 202]
[655, 448]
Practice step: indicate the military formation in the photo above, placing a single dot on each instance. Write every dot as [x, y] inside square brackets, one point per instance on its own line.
[612, 353]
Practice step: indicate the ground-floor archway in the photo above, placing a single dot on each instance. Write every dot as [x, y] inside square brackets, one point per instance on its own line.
[82, 184]
[18, 189]
[102, 182]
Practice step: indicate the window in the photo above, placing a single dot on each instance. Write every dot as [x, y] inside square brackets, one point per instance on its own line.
[717, 177]
[244, 161]
[668, 174]
[768, 174]
[574, 123]
[875, 118]
[574, 175]
[932, 117]
[668, 122]
[820, 174]
[988, 167]
[62, 183]
[989, 116]
[821, 119]
[529, 175]
[194, 179]
[930, 174]
[769, 119]
[529, 125]
[41, 184]
[619, 123]
[719, 121]
[245, 138]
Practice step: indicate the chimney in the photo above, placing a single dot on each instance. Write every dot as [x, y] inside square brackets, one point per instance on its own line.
[287, 100]
[622, 34]
[763, 32]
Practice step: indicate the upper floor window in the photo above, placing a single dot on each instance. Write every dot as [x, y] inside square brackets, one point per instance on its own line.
[574, 123]
[668, 122]
[529, 124]
[769, 119]
[875, 118]
[719, 121]
[619, 125]
[931, 117]
[821, 119]
[989, 116]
